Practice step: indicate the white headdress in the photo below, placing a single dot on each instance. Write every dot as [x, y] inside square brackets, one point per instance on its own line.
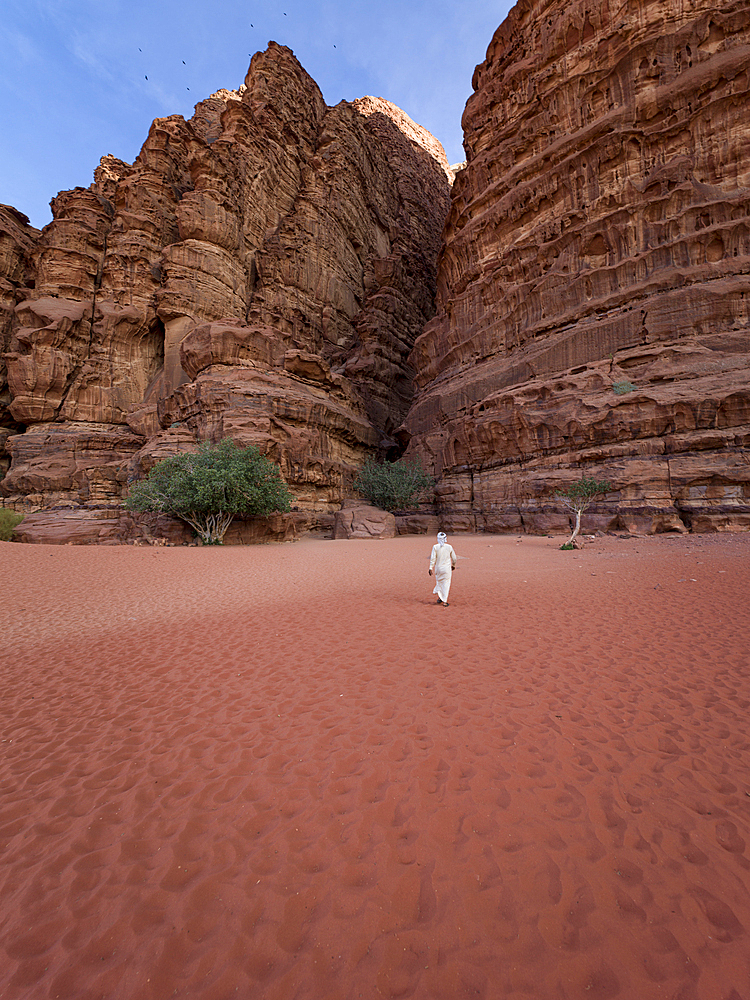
[442, 538]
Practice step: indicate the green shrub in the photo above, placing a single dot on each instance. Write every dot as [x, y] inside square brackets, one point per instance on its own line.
[621, 388]
[393, 485]
[208, 488]
[8, 521]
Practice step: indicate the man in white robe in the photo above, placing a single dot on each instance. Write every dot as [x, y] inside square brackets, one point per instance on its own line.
[443, 562]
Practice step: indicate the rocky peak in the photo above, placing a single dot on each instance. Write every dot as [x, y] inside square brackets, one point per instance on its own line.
[260, 271]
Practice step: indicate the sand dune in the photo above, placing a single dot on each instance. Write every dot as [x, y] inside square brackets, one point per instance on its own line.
[283, 772]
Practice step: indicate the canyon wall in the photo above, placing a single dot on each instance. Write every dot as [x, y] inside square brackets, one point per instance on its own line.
[594, 283]
[267, 271]
[260, 272]
[17, 241]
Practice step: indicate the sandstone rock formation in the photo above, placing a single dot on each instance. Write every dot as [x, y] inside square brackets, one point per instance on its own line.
[17, 241]
[359, 519]
[77, 524]
[598, 240]
[261, 271]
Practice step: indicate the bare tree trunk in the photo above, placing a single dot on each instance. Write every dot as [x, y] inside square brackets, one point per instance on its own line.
[576, 529]
[210, 528]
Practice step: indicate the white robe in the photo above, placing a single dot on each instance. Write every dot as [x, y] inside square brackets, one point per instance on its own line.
[442, 561]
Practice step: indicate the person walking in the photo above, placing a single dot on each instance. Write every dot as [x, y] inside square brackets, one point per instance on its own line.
[443, 562]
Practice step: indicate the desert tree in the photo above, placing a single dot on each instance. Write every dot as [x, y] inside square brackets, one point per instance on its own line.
[577, 497]
[209, 487]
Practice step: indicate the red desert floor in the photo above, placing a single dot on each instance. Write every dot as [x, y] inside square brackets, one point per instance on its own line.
[284, 773]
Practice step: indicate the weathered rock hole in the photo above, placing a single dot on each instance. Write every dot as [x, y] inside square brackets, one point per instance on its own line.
[598, 247]
[715, 250]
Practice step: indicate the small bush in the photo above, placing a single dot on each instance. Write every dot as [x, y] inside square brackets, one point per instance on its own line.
[8, 521]
[393, 485]
[621, 388]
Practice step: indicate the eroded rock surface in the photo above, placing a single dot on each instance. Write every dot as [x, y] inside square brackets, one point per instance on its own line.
[259, 272]
[359, 519]
[74, 524]
[17, 243]
[594, 284]
[262, 272]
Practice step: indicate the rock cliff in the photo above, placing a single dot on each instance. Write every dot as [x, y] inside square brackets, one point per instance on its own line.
[17, 241]
[260, 271]
[594, 282]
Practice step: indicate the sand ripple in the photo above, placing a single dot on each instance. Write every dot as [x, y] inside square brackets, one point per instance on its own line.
[283, 772]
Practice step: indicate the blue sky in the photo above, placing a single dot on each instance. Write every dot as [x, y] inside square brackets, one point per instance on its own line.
[73, 73]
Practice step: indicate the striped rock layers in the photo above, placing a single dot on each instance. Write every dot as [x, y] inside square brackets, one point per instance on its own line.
[260, 272]
[594, 283]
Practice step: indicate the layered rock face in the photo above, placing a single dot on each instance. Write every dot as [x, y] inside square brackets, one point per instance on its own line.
[17, 241]
[260, 272]
[594, 283]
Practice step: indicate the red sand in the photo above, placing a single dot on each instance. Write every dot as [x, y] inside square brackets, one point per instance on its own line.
[283, 772]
